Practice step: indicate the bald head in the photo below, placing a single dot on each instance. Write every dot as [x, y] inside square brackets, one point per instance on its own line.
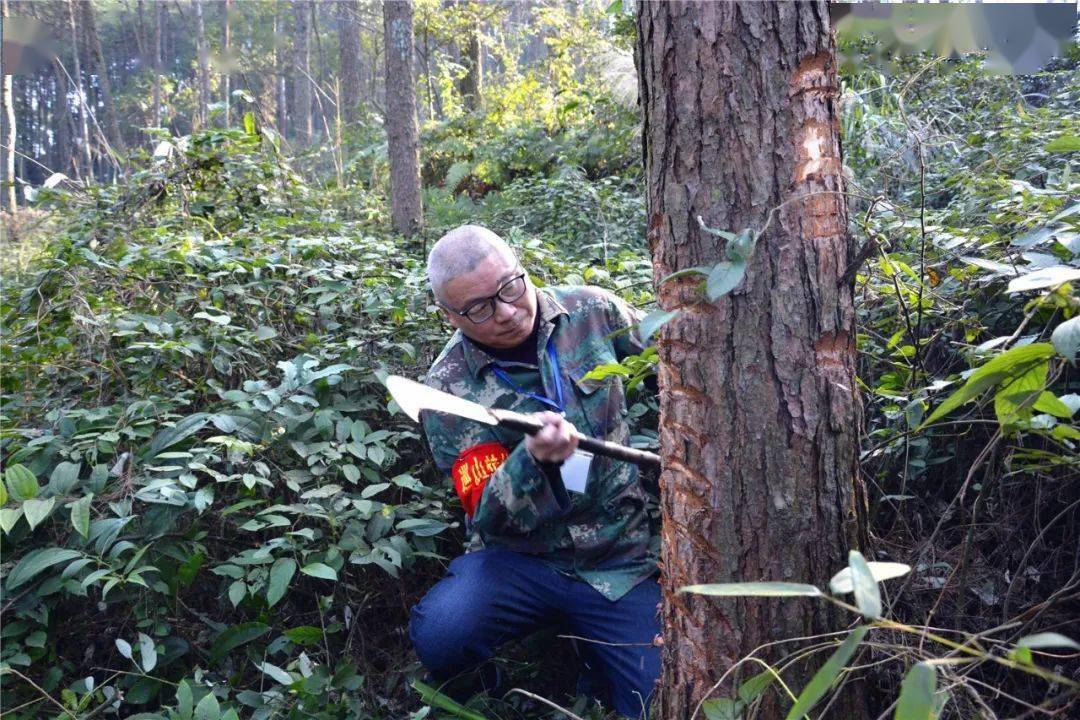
[460, 251]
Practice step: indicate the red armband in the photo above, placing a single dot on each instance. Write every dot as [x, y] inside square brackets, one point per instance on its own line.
[473, 468]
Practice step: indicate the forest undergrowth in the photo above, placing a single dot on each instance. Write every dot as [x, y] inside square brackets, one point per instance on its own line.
[211, 509]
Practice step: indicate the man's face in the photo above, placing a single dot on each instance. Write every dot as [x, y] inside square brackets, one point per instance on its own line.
[512, 322]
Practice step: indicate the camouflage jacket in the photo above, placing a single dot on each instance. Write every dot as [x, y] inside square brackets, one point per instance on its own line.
[603, 536]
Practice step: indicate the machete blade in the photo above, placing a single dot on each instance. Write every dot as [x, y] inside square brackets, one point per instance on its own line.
[412, 397]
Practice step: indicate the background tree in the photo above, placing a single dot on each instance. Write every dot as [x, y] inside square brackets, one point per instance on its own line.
[759, 420]
[301, 71]
[348, 14]
[104, 83]
[402, 132]
[8, 101]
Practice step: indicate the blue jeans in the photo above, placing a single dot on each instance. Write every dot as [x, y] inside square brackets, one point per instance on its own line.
[493, 595]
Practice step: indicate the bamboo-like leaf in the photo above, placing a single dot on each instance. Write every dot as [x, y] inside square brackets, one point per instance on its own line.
[758, 589]
[841, 583]
[867, 595]
[824, 677]
[916, 701]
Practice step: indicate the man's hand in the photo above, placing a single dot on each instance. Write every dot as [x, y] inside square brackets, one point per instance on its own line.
[555, 442]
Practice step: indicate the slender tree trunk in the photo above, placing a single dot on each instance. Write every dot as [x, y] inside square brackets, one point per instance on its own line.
[302, 99]
[83, 100]
[227, 79]
[203, 111]
[402, 132]
[280, 87]
[159, 24]
[64, 161]
[104, 82]
[759, 418]
[471, 85]
[348, 12]
[9, 135]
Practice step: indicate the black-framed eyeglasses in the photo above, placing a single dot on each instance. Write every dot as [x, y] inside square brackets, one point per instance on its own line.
[482, 310]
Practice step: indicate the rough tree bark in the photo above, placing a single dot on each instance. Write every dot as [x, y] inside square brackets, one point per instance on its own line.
[348, 15]
[302, 97]
[159, 23]
[759, 419]
[104, 82]
[84, 122]
[281, 95]
[203, 111]
[7, 99]
[402, 131]
[226, 80]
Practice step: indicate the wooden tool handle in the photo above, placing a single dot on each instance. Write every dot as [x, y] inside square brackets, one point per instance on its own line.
[530, 426]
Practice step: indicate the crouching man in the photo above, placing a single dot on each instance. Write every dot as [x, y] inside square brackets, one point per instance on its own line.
[557, 537]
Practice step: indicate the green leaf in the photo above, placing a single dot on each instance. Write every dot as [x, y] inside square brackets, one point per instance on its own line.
[36, 510]
[64, 478]
[168, 437]
[21, 482]
[351, 472]
[721, 709]
[916, 700]
[867, 595]
[304, 635]
[80, 515]
[319, 570]
[147, 652]
[1066, 339]
[653, 322]
[236, 636]
[841, 582]
[124, 647]
[756, 685]
[1048, 402]
[249, 124]
[422, 527]
[723, 278]
[1064, 144]
[1047, 639]
[208, 708]
[758, 589]
[8, 518]
[276, 673]
[826, 674]
[37, 560]
[434, 698]
[3, 494]
[185, 700]
[281, 574]
[237, 591]
[1009, 364]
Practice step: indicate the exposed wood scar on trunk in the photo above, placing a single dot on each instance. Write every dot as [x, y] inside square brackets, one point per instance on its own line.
[832, 350]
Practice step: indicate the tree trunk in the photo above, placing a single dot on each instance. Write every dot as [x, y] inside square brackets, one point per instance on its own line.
[84, 122]
[8, 100]
[280, 90]
[159, 22]
[203, 111]
[302, 103]
[227, 79]
[759, 419]
[402, 132]
[64, 161]
[104, 82]
[471, 84]
[348, 12]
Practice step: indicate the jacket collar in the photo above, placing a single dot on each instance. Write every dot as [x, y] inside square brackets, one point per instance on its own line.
[549, 309]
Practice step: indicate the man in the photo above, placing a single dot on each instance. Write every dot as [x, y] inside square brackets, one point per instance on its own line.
[558, 537]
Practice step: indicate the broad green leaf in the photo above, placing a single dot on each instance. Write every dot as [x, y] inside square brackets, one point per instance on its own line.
[168, 437]
[841, 583]
[21, 482]
[1047, 639]
[37, 560]
[8, 518]
[867, 595]
[351, 472]
[916, 700]
[1009, 364]
[1016, 397]
[80, 515]
[752, 589]
[185, 701]
[1066, 339]
[723, 278]
[64, 478]
[236, 636]
[223, 319]
[3, 494]
[1044, 278]
[249, 123]
[124, 647]
[826, 674]
[281, 574]
[319, 570]
[1048, 402]
[749, 690]
[237, 591]
[208, 708]
[653, 322]
[276, 673]
[721, 709]
[1066, 143]
[422, 527]
[434, 698]
[147, 652]
[35, 510]
[304, 634]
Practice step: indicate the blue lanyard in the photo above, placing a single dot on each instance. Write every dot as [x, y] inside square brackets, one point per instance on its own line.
[556, 404]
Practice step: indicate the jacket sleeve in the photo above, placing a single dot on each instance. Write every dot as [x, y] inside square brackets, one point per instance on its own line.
[520, 496]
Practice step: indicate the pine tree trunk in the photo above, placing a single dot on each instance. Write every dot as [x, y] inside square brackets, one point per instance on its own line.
[203, 112]
[471, 84]
[281, 95]
[348, 12]
[159, 23]
[227, 79]
[759, 418]
[84, 123]
[302, 101]
[104, 82]
[7, 99]
[402, 131]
